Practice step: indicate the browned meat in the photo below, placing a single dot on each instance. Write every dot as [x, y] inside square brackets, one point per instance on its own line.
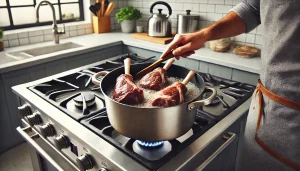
[155, 80]
[171, 96]
[126, 91]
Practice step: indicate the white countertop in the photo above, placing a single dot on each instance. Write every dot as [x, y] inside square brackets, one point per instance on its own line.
[94, 42]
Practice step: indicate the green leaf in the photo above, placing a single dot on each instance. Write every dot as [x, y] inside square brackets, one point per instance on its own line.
[128, 13]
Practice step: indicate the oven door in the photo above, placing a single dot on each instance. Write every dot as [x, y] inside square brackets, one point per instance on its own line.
[44, 156]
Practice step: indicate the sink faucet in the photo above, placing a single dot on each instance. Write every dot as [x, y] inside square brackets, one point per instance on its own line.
[55, 31]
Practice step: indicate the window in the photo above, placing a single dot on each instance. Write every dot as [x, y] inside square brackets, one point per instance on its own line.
[17, 14]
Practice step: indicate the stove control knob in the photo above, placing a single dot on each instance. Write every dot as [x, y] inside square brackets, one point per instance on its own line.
[84, 162]
[61, 142]
[47, 130]
[25, 110]
[33, 119]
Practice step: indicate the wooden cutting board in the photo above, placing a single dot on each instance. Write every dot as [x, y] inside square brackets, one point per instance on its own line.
[160, 40]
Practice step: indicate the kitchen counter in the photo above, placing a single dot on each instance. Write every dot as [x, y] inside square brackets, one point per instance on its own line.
[94, 42]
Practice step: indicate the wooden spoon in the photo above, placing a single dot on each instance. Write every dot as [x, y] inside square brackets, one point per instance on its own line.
[188, 78]
[155, 64]
[109, 9]
[102, 7]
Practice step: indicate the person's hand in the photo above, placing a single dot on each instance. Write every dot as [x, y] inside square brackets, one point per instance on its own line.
[185, 45]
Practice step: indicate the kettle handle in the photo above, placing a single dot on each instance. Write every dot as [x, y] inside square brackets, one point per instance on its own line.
[162, 3]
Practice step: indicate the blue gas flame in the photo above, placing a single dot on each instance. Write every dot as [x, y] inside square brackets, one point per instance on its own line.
[150, 144]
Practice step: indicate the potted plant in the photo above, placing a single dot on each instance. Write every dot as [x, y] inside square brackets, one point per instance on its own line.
[1, 42]
[127, 16]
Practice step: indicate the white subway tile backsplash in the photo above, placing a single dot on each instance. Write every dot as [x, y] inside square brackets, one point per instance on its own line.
[6, 43]
[25, 38]
[66, 28]
[66, 35]
[207, 8]
[147, 4]
[72, 28]
[187, 6]
[81, 26]
[223, 8]
[36, 39]
[48, 37]
[250, 38]
[176, 6]
[259, 30]
[48, 31]
[5, 37]
[249, 44]
[235, 2]
[216, 1]
[24, 41]
[88, 26]
[88, 31]
[258, 39]
[73, 33]
[35, 33]
[196, 8]
[228, 2]
[202, 1]
[258, 46]
[213, 17]
[23, 35]
[240, 38]
[81, 32]
[13, 43]
[12, 36]
[174, 14]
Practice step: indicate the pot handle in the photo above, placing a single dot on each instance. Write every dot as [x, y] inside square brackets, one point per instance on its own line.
[162, 3]
[95, 76]
[203, 102]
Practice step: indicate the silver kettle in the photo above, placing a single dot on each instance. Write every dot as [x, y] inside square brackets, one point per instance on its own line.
[158, 24]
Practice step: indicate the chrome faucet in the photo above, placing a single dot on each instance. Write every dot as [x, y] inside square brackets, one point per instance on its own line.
[55, 31]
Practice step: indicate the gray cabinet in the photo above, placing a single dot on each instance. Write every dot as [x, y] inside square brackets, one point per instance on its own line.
[226, 160]
[9, 114]
[12, 102]
[5, 126]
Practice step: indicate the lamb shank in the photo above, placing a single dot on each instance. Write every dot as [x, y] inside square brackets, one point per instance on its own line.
[157, 79]
[125, 90]
[174, 94]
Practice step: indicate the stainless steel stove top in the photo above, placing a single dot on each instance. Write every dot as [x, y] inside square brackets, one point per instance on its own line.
[75, 110]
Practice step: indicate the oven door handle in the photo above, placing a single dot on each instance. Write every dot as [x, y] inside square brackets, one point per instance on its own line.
[229, 137]
[30, 140]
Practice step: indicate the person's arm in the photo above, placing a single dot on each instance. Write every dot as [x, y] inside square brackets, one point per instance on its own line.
[242, 18]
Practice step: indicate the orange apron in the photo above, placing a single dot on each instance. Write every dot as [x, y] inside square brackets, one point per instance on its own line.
[261, 90]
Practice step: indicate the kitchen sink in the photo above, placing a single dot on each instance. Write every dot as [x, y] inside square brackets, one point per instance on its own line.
[42, 50]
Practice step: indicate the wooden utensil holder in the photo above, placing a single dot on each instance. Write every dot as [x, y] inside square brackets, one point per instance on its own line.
[101, 24]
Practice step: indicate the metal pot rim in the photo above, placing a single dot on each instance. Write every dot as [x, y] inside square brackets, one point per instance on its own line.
[191, 104]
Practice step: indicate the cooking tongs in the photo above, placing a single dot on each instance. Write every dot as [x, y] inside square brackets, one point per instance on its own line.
[155, 64]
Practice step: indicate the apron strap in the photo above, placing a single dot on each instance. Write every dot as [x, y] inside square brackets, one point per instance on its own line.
[286, 102]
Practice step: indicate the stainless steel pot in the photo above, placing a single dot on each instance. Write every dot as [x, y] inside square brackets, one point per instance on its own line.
[151, 124]
[158, 24]
[187, 23]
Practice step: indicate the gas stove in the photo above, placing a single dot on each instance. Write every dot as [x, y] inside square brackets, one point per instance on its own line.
[68, 112]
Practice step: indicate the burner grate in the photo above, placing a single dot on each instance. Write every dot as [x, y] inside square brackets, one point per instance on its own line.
[230, 94]
[151, 157]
